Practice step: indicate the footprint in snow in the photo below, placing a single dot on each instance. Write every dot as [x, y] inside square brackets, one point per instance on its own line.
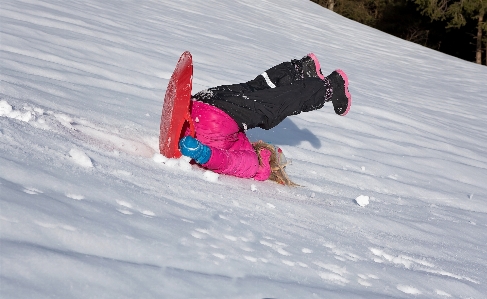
[32, 191]
[442, 293]
[408, 289]
[231, 238]
[250, 258]
[364, 279]
[126, 207]
[219, 255]
[334, 273]
[277, 246]
[247, 249]
[199, 234]
[255, 259]
[288, 263]
[75, 196]
[364, 283]
[55, 226]
[125, 212]
[147, 213]
[343, 255]
[303, 265]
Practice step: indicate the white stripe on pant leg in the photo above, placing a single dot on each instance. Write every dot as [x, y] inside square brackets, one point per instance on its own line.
[268, 80]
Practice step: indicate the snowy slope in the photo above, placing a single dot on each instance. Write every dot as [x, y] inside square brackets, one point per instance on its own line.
[89, 210]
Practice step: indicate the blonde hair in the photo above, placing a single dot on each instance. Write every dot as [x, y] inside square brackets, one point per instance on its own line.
[278, 174]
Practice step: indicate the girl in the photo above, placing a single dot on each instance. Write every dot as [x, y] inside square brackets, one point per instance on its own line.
[222, 114]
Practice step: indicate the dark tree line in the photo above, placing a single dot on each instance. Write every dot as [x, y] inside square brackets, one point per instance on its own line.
[454, 27]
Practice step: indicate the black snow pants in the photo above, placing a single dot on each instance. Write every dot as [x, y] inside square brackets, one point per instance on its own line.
[268, 99]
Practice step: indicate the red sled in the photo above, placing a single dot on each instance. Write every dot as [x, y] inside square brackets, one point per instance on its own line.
[176, 116]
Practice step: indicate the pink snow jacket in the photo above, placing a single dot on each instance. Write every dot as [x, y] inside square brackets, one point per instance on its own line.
[231, 151]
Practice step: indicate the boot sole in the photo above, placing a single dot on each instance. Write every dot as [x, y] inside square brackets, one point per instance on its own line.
[317, 65]
[347, 93]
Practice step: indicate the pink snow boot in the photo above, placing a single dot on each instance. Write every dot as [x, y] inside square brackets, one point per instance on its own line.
[341, 98]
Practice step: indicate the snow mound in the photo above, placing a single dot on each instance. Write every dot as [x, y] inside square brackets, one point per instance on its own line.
[80, 158]
[362, 200]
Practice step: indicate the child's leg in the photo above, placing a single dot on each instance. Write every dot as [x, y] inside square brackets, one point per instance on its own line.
[288, 73]
[282, 74]
[266, 108]
[283, 90]
[285, 73]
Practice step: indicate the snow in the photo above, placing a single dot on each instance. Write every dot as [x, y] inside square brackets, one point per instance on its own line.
[80, 158]
[82, 84]
[211, 176]
[7, 111]
[362, 200]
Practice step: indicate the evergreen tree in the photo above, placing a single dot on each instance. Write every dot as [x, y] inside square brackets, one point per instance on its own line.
[456, 12]
[443, 25]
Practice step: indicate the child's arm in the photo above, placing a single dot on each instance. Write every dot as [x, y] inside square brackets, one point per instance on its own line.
[240, 160]
[239, 163]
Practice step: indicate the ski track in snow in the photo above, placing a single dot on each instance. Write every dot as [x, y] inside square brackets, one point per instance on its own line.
[392, 197]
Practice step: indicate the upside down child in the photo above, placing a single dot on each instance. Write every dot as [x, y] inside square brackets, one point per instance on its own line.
[222, 114]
